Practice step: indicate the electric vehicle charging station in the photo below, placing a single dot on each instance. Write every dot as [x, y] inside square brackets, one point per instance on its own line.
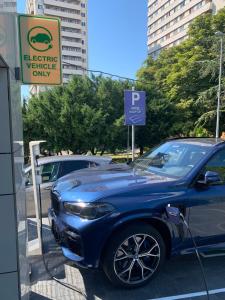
[34, 147]
[14, 268]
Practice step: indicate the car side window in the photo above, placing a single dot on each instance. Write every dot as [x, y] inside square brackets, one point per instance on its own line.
[49, 172]
[217, 164]
[73, 165]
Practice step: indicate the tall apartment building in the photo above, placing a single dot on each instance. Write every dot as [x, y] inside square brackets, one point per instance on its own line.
[7, 6]
[168, 20]
[74, 32]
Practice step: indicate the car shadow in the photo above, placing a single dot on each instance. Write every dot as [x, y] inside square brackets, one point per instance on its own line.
[35, 296]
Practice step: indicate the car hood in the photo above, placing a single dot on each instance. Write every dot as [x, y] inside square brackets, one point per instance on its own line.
[97, 183]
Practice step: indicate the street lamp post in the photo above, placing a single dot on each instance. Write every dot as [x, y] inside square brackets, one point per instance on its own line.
[221, 35]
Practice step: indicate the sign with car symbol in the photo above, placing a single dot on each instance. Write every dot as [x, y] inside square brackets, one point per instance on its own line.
[40, 50]
[135, 107]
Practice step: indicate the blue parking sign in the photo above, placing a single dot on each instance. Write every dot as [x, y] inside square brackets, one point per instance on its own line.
[135, 107]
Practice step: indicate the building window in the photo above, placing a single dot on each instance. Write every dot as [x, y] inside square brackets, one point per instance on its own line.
[72, 58]
[70, 39]
[62, 9]
[68, 29]
[68, 20]
[69, 67]
[69, 48]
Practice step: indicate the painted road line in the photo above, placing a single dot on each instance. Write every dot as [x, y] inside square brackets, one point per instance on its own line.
[191, 295]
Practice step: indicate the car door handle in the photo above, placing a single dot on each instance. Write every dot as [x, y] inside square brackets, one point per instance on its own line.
[48, 188]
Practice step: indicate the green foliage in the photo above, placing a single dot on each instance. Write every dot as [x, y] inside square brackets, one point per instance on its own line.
[84, 115]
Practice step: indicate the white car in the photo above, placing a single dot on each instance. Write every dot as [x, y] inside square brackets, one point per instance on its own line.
[53, 168]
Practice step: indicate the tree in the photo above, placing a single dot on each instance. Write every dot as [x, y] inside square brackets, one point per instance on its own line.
[186, 78]
[84, 115]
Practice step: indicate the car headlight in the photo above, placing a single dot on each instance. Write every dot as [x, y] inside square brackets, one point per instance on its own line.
[88, 211]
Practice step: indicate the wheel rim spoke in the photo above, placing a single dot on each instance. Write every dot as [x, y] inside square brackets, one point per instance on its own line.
[136, 242]
[149, 253]
[131, 267]
[144, 238]
[124, 251]
[143, 266]
[123, 257]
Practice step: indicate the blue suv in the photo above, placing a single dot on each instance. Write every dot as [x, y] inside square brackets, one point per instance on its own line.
[114, 217]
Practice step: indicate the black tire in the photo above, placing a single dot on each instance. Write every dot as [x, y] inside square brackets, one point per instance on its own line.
[112, 262]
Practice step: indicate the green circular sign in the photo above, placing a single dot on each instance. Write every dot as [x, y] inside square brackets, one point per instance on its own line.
[2, 36]
[40, 39]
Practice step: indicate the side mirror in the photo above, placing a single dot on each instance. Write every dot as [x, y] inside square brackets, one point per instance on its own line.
[27, 183]
[173, 214]
[210, 177]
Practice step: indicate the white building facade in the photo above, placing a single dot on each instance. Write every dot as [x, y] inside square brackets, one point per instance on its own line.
[74, 32]
[168, 20]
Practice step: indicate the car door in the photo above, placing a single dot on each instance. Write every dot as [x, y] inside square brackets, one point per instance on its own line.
[207, 204]
[49, 174]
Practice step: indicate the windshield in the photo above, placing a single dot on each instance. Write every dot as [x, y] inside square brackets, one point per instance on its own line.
[172, 159]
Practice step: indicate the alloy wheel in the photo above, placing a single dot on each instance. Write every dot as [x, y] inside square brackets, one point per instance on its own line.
[137, 259]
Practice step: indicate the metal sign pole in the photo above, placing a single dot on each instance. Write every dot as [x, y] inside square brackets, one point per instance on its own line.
[128, 142]
[219, 90]
[133, 142]
[133, 135]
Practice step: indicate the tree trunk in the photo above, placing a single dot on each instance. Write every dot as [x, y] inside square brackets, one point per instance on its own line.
[103, 151]
[93, 151]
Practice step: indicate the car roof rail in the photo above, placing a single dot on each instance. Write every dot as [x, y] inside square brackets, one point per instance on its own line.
[188, 137]
[220, 141]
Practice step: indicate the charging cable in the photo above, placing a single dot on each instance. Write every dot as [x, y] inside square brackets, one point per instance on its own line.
[67, 285]
[197, 254]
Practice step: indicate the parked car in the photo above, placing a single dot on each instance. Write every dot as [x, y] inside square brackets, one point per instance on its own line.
[116, 218]
[51, 169]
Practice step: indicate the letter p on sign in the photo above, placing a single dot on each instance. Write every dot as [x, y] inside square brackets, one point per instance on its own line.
[135, 97]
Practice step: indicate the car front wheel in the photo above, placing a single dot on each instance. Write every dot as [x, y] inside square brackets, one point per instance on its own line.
[134, 255]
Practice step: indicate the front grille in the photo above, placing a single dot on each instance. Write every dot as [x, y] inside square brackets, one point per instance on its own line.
[55, 203]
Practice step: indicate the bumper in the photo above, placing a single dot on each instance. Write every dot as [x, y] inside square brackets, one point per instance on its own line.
[78, 242]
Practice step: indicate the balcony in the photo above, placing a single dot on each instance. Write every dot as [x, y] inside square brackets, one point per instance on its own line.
[58, 13]
[71, 25]
[71, 44]
[63, 4]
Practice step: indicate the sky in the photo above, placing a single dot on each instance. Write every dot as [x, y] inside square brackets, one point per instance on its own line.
[117, 37]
